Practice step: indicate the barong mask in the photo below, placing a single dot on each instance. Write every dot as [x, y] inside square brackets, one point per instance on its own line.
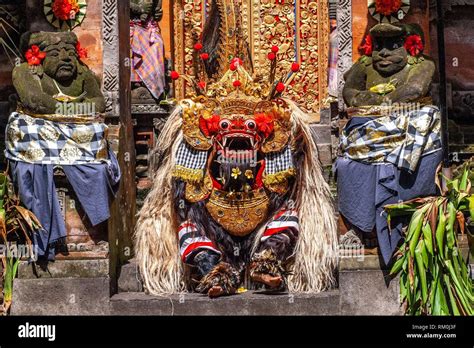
[247, 136]
[239, 186]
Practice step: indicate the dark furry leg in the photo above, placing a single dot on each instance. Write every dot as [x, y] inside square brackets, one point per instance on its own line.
[205, 261]
[268, 266]
[223, 279]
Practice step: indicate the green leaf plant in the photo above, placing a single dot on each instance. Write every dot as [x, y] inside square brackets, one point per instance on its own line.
[434, 277]
[17, 225]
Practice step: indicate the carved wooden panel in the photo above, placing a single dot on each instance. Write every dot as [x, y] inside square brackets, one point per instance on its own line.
[110, 37]
[344, 31]
[299, 27]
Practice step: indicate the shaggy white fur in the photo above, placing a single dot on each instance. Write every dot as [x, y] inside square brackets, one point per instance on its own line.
[156, 244]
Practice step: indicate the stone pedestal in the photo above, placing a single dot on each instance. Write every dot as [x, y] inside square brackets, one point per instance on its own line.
[65, 287]
[366, 288]
[248, 303]
[61, 296]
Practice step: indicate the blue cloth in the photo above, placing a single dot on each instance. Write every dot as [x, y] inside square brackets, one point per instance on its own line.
[364, 189]
[93, 184]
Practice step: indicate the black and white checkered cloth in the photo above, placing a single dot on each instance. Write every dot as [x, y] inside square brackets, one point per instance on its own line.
[36, 140]
[276, 162]
[401, 138]
[190, 158]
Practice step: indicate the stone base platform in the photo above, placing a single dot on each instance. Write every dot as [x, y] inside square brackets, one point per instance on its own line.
[248, 303]
[81, 287]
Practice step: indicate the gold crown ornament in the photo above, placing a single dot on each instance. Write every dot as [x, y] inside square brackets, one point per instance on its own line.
[237, 95]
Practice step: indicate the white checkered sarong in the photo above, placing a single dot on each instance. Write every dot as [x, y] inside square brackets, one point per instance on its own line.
[36, 140]
[276, 162]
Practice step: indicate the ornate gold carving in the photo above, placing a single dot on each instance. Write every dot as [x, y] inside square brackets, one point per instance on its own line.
[303, 38]
[232, 108]
[198, 191]
[188, 24]
[281, 133]
[191, 131]
[239, 213]
[278, 182]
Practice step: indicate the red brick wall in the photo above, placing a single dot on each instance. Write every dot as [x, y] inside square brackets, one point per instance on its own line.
[458, 34]
[89, 34]
[362, 21]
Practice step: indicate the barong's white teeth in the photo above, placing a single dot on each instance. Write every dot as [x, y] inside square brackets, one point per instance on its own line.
[252, 141]
[225, 141]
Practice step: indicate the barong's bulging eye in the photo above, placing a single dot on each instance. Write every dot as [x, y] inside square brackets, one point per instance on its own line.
[251, 125]
[224, 124]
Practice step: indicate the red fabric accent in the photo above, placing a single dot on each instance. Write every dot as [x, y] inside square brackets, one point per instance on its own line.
[174, 75]
[280, 87]
[186, 225]
[258, 177]
[280, 213]
[295, 67]
[194, 246]
[216, 184]
[272, 231]
[198, 46]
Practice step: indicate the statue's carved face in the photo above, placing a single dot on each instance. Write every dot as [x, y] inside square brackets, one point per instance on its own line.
[61, 61]
[389, 56]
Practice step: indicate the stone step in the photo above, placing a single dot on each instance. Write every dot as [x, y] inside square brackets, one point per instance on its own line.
[366, 287]
[129, 278]
[248, 303]
[61, 296]
[65, 269]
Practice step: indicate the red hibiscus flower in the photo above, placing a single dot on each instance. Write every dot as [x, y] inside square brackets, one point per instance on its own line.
[34, 56]
[65, 9]
[209, 126]
[367, 47]
[81, 52]
[387, 7]
[264, 124]
[414, 45]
